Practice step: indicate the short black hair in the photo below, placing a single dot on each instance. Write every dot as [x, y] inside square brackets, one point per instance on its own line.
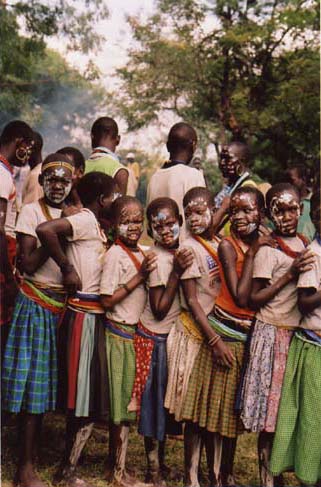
[315, 202]
[103, 127]
[251, 190]
[36, 149]
[94, 184]
[17, 129]
[280, 188]
[301, 170]
[121, 202]
[76, 155]
[198, 192]
[181, 136]
[159, 203]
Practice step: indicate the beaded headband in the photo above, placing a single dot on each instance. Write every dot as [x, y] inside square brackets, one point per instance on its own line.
[48, 165]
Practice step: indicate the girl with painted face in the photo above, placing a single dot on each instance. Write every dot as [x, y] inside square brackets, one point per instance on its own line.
[212, 389]
[81, 333]
[189, 339]
[29, 373]
[158, 318]
[297, 437]
[274, 297]
[123, 297]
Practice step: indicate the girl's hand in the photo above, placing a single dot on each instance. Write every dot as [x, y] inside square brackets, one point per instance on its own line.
[222, 354]
[148, 265]
[182, 260]
[260, 242]
[302, 263]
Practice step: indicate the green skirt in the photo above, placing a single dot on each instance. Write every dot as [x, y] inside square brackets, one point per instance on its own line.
[121, 370]
[297, 441]
[211, 394]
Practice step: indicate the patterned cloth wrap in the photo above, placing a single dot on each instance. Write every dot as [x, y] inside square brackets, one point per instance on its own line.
[212, 389]
[183, 345]
[297, 441]
[121, 369]
[29, 373]
[264, 375]
[150, 382]
[82, 363]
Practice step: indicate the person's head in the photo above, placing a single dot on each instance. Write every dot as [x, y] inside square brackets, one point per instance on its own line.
[197, 163]
[164, 221]
[297, 175]
[77, 159]
[315, 211]
[128, 219]
[104, 133]
[198, 210]
[35, 157]
[246, 211]
[284, 208]
[130, 158]
[234, 160]
[181, 142]
[97, 191]
[16, 142]
[56, 178]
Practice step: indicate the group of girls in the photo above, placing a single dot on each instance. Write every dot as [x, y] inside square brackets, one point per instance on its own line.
[205, 333]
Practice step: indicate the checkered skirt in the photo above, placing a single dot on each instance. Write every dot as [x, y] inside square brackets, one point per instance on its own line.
[29, 372]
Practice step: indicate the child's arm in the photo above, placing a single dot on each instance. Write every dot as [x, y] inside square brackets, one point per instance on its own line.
[148, 264]
[161, 297]
[221, 352]
[262, 292]
[308, 299]
[48, 234]
[240, 288]
[29, 257]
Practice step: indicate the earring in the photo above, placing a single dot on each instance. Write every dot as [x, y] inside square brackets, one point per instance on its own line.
[239, 170]
[22, 154]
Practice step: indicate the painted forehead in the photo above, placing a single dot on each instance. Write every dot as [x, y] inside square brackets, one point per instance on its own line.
[198, 200]
[285, 197]
[248, 198]
[130, 209]
[162, 214]
[58, 172]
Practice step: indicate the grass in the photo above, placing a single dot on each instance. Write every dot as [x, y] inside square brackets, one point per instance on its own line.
[95, 453]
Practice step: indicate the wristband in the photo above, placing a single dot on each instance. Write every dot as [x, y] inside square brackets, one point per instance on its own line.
[213, 341]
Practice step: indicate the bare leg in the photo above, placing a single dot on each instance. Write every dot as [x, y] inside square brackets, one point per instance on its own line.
[192, 450]
[265, 443]
[213, 445]
[26, 475]
[228, 454]
[154, 474]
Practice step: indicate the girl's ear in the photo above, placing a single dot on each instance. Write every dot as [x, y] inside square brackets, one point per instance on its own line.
[100, 200]
[180, 220]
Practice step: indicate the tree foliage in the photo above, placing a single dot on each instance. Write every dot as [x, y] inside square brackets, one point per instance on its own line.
[235, 69]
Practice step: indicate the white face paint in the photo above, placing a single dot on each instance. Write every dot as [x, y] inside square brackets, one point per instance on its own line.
[116, 196]
[56, 185]
[285, 212]
[123, 230]
[165, 228]
[199, 223]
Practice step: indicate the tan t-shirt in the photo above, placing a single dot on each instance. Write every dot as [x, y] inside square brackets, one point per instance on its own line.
[174, 182]
[86, 249]
[30, 217]
[159, 277]
[271, 264]
[206, 272]
[312, 278]
[118, 269]
[8, 193]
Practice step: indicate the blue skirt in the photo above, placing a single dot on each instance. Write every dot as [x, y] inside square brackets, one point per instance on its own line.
[29, 372]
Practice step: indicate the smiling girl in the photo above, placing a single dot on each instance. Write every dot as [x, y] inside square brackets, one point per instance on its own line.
[274, 296]
[29, 376]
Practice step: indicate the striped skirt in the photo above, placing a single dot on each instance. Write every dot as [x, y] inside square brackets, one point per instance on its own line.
[264, 374]
[121, 370]
[297, 441]
[212, 390]
[82, 363]
[183, 345]
[29, 372]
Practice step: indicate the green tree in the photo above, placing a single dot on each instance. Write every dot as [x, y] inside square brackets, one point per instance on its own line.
[235, 69]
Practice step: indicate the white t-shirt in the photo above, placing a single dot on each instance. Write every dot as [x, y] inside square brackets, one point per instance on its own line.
[271, 264]
[30, 217]
[174, 182]
[312, 278]
[159, 277]
[86, 249]
[206, 272]
[118, 269]
[8, 193]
